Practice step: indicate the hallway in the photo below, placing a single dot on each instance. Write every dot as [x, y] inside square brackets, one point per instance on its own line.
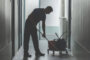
[71, 16]
[43, 48]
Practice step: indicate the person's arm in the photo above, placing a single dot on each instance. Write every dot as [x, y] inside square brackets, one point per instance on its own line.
[43, 28]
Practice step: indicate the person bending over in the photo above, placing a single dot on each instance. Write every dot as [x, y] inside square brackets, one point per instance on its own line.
[39, 14]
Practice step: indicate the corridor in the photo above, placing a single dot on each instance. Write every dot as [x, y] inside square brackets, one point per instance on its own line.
[70, 16]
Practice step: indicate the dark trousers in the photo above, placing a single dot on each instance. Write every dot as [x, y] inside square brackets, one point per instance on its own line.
[30, 30]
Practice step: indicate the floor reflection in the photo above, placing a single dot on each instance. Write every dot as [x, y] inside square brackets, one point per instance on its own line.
[43, 43]
[37, 58]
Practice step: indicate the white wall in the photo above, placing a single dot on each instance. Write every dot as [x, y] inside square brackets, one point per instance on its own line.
[66, 9]
[16, 26]
[80, 29]
[53, 18]
[23, 18]
[30, 5]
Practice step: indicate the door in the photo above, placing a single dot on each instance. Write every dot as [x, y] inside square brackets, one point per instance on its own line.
[52, 19]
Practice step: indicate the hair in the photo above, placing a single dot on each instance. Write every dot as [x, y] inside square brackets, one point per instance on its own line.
[49, 8]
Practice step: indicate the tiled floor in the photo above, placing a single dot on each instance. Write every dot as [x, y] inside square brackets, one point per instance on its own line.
[43, 48]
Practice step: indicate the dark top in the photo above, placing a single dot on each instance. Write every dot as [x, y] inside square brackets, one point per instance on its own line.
[37, 15]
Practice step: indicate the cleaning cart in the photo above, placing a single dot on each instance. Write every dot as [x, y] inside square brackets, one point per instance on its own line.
[58, 44]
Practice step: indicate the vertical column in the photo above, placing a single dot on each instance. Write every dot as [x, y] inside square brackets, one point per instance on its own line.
[62, 14]
[13, 29]
[69, 27]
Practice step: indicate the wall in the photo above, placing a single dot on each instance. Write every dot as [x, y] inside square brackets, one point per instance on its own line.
[16, 26]
[30, 5]
[23, 18]
[5, 30]
[80, 29]
[66, 9]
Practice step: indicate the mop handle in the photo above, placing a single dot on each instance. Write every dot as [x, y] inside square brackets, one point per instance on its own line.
[42, 34]
[57, 35]
[61, 35]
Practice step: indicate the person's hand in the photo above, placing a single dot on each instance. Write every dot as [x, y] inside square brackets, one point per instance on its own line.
[44, 35]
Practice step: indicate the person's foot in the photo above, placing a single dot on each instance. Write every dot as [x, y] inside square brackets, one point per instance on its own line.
[27, 55]
[39, 54]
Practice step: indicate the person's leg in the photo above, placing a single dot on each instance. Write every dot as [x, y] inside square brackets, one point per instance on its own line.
[26, 40]
[35, 42]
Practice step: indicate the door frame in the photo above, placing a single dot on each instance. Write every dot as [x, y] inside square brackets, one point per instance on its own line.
[19, 23]
[69, 28]
[13, 27]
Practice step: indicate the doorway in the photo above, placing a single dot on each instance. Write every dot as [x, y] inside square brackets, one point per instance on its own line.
[16, 26]
[52, 19]
[58, 22]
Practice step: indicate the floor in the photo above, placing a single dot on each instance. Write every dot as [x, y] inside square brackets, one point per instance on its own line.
[43, 47]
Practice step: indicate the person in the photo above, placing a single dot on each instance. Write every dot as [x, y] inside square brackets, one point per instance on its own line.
[39, 14]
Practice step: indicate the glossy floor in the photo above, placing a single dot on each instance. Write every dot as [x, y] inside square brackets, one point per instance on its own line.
[43, 47]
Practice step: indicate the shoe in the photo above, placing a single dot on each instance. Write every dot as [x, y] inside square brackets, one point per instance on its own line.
[27, 55]
[39, 54]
